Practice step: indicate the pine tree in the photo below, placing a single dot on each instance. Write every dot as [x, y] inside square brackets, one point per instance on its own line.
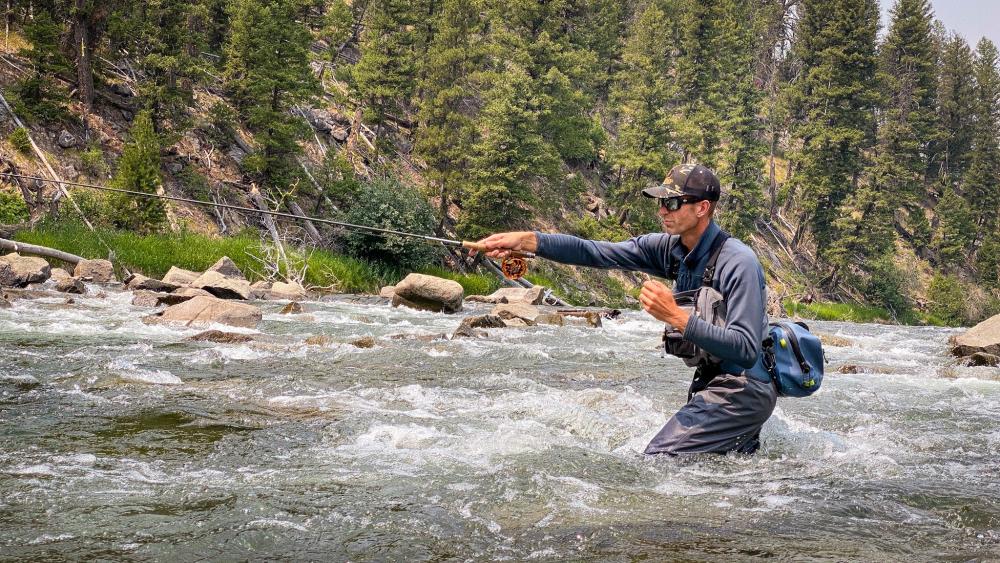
[38, 93]
[139, 170]
[956, 228]
[956, 107]
[833, 102]
[267, 72]
[700, 86]
[981, 183]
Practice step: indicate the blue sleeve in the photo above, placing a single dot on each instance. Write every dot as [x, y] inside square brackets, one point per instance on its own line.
[741, 282]
[646, 253]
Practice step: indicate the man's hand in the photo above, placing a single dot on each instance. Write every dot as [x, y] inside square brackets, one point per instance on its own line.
[501, 244]
[658, 301]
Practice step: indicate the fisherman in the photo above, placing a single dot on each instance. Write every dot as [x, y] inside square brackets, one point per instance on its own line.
[728, 402]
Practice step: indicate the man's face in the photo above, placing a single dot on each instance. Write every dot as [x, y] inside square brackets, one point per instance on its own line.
[684, 218]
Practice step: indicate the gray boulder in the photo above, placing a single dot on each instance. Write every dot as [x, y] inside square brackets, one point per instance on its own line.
[203, 310]
[430, 293]
[19, 271]
[179, 276]
[222, 286]
[99, 271]
[66, 139]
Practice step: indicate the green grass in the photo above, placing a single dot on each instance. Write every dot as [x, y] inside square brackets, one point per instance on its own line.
[850, 312]
[153, 255]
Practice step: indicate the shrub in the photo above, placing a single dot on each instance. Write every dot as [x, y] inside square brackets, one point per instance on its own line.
[13, 210]
[387, 204]
[887, 287]
[92, 161]
[20, 140]
[947, 300]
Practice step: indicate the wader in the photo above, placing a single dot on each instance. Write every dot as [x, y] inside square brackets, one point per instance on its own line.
[724, 412]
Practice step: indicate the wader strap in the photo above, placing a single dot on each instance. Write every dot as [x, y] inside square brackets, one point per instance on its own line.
[672, 266]
[716, 250]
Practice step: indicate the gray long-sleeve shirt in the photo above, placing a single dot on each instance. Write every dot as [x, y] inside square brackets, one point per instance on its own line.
[739, 278]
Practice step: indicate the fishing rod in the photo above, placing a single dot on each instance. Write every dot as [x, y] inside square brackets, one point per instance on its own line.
[513, 266]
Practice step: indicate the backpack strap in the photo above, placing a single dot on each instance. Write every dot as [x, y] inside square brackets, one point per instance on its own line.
[717, 244]
[671, 263]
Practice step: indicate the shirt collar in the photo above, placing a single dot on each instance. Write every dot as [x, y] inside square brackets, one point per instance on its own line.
[703, 246]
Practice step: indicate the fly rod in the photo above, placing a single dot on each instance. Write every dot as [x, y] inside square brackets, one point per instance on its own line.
[514, 265]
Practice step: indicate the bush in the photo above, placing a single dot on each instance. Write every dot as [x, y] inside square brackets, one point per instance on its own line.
[13, 210]
[947, 300]
[20, 140]
[92, 161]
[387, 204]
[887, 287]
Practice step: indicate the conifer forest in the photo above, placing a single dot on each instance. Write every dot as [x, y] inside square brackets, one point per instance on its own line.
[860, 158]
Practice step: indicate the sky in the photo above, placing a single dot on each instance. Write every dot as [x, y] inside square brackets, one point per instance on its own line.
[971, 19]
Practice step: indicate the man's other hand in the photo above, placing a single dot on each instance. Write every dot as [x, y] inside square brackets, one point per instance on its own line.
[658, 300]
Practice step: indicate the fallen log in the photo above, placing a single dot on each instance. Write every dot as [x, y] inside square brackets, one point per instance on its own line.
[44, 251]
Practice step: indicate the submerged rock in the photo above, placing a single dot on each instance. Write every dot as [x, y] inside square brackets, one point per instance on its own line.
[832, 340]
[98, 271]
[590, 318]
[510, 311]
[983, 359]
[430, 293]
[365, 342]
[319, 340]
[19, 271]
[221, 337]
[206, 310]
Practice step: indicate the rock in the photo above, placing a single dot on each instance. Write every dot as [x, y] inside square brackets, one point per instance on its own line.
[469, 325]
[388, 292]
[508, 311]
[66, 139]
[139, 282]
[550, 319]
[189, 292]
[430, 293]
[292, 308]
[19, 271]
[775, 309]
[516, 323]
[98, 271]
[59, 274]
[228, 268]
[856, 369]
[528, 295]
[283, 290]
[143, 298]
[12, 294]
[832, 340]
[175, 167]
[365, 342]
[203, 310]
[4, 304]
[319, 340]
[591, 318]
[179, 276]
[69, 301]
[983, 359]
[259, 289]
[339, 134]
[70, 285]
[223, 287]
[221, 337]
[236, 154]
[127, 115]
[982, 338]
[146, 298]
[423, 337]
[121, 89]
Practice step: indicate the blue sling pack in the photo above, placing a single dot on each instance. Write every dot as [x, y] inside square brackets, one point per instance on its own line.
[794, 359]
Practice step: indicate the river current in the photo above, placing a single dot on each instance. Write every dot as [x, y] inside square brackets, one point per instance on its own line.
[127, 441]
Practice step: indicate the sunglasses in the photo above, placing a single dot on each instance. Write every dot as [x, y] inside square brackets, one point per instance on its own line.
[675, 203]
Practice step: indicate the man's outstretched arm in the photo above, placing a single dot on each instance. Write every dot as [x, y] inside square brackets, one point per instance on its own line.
[646, 253]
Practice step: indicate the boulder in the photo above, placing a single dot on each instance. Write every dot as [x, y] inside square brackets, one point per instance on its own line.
[983, 359]
[550, 319]
[221, 337]
[364, 342]
[59, 274]
[228, 268]
[469, 326]
[259, 289]
[508, 311]
[203, 310]
[140, 282]
[430, 293]
[282, 290]
[179, 276]
[833, 340]
[19, 271]
[222, 286]
[66, 139]
[70, 285]
[528, 295]
[293, 308]
[388, 292]
[189, 292]
[146, 298]
[99, 271]
[982, 338]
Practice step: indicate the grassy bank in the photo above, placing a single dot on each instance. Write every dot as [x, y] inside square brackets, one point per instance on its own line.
[153, 255]
[854, 313]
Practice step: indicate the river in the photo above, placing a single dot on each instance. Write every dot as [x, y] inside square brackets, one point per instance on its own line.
[127, 441]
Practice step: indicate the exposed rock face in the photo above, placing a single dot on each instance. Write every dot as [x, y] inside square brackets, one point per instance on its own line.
[204, 310]
[179, 276]
[527, 295]
[430, 293]
[983, 338]
[290, 291]
[70, 285]
[228, 268]
[139, 281]
[99, 271]
[221, 337]
[222, 286]
[19, 271]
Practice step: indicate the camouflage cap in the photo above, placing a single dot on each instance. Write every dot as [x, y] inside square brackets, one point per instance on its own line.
[687, 179]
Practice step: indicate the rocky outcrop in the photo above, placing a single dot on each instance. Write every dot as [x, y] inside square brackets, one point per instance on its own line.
[430, 293]
[526, 295]
[228, 268]
[222, 286]
[984, 338]
[179, 276]
[19, 271]
[98, 271]
[204, 310]
[510, 311]
[137, 282]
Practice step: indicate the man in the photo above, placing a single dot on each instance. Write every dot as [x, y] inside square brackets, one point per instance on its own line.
[727, 406]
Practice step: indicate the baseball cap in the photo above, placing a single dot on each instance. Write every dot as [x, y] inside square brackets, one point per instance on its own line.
[687, 179]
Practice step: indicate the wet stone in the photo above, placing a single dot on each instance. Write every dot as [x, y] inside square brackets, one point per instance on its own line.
[221, 337]
[365, 342]
[292, 308]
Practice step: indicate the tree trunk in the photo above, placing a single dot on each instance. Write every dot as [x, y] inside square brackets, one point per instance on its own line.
[22, 248]
[84, 58]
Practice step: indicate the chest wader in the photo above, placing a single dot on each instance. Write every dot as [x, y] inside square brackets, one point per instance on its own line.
[705, 303]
